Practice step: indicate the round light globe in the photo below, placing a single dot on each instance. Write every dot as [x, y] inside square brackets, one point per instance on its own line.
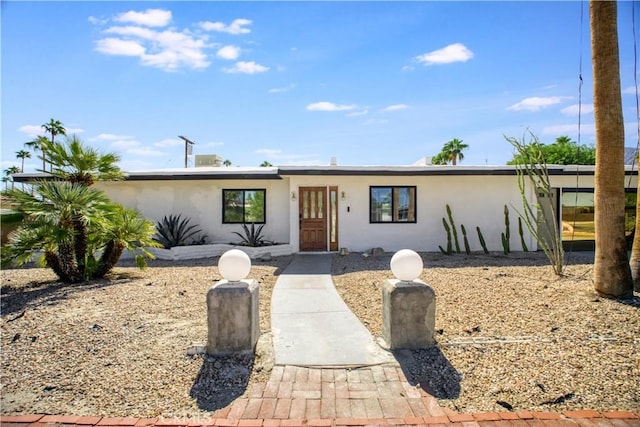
[234, 265]
[406, 265]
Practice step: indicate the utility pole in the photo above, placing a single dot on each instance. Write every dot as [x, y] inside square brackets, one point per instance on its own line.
[188, 149]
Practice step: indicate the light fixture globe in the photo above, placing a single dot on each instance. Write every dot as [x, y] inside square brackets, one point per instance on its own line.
[406, 265]
[234, 265]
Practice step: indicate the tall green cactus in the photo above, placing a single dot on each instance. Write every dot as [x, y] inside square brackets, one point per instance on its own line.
[521, 231]
[448, 230]
[453, 229]
[482, 242]
[506, 236]
[467, 249]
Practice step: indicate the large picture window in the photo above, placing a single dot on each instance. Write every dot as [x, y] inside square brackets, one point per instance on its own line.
[392, 204]
[243, 206]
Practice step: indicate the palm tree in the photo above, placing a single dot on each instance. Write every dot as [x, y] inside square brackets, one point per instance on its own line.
[74, 162]
[227, 163]
[23, 154]
[9, 172]
[39, 144]
[69, 221]
[265, 164]
[452, 150]
[612, 275]
[54, 127]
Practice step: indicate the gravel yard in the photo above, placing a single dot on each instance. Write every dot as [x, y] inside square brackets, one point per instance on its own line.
[513, 333]
[509, 331]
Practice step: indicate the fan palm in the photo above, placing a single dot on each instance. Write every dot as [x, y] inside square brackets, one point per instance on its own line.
[74, 162]
[452, 150]
[69, 223]
[39, 144]
[23, 154]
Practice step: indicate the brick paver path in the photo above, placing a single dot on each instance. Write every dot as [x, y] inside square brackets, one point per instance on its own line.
[307, 393]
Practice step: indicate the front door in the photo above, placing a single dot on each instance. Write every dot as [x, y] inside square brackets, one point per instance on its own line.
[313, 218]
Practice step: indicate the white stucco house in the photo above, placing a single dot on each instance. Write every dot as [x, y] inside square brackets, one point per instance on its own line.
[325, 208]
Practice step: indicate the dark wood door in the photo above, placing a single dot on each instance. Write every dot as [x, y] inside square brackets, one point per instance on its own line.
[313, 219]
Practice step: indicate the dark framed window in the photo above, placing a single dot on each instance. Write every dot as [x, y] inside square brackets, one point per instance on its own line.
[243, 206]
[392, 204]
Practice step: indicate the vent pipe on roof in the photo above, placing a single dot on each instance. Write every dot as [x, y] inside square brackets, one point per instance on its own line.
[333, 161]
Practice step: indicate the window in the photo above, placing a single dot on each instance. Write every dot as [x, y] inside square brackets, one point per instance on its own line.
[578, 210]
[392, 204]
[243, 206]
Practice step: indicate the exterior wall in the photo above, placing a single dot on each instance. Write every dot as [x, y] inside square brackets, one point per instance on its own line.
[201, 201]
[474, 201]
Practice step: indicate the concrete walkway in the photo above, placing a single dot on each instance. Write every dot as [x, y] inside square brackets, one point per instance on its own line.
[311, 324]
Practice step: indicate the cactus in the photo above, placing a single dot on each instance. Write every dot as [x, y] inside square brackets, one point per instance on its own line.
[448, 230]
[506, 236]
[505, 243]
[453, 229]
[520, 230]
[482, 242]
[466, 241]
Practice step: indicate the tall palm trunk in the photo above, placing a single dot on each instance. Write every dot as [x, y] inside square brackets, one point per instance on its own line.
[612, 275]
[635, 249]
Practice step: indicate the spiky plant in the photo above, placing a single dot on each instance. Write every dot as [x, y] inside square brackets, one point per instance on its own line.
[251, 236]
[173, 230]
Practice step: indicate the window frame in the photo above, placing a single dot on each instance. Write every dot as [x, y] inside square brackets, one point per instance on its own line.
[244, 213]
[393, 188]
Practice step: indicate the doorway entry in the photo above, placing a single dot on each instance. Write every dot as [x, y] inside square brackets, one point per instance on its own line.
[318, 215]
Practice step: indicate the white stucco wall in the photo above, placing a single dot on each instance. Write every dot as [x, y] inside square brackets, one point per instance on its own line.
[201, 201]
[474, 201]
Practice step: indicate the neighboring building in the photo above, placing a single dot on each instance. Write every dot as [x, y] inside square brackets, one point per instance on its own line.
[324, 208]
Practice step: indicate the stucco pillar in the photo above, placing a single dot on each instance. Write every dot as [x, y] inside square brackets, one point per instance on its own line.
[233, 318]
[408, 314]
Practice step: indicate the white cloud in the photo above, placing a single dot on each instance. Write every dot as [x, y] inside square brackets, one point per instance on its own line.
[329, 106]
[169, 142]
[358, 113]
[229, 52]
[125, 145]
[71, 131]
[113, 46]
[408, 68]
[110, 137]
[236, 27]
[536, 103]
[587, 129]
[146, 152]
[168, 50]
[282, 89]
[149, 18]
[31, 130]
[243, 67]
[35, 130]
[574, 110]
[456, 52]
[631, 90]
[396, 107]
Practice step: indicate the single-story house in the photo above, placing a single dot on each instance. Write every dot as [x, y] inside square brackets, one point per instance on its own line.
[325, 208]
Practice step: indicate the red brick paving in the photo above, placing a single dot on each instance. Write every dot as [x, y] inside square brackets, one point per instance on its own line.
[305, 397]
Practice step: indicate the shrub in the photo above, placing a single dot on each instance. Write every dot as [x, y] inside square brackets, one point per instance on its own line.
[174, 231]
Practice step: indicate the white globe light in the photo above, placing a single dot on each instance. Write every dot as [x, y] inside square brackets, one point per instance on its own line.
[234, 265]
[406, 265]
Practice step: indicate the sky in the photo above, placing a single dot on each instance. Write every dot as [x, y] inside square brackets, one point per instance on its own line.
[297, 83]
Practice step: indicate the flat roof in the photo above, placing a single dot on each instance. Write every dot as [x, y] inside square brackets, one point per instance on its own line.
[253, 173]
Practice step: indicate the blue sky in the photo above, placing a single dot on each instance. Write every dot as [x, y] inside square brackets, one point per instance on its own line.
[295, 83]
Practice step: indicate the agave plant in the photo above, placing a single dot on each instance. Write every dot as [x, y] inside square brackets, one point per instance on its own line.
[252, 236]
[175, 231]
